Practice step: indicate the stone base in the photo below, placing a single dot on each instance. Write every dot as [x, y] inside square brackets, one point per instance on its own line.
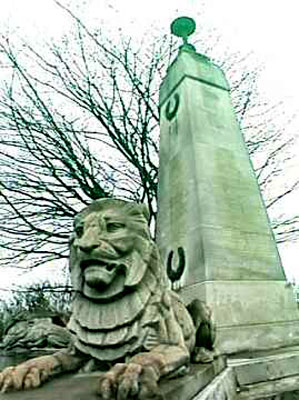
[249, 315]
[84, 386]
[263, 375]
[259, 375]
[257, 337]
[187, 387]
[222, 387]
[247, 376]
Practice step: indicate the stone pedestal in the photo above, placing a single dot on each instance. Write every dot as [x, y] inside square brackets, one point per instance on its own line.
[84, 386]
[267, 375]
[249, 315]
[211, 212]
[247, 376]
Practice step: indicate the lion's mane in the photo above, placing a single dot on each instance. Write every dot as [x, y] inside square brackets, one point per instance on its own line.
[121, 323]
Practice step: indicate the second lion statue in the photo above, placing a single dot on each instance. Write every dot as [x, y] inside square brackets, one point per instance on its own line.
[124, 320]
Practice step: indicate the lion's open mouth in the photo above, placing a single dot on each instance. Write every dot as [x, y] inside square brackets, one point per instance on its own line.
[97, 263]
[98, 273]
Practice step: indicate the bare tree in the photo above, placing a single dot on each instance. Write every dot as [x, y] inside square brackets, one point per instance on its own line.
[78, 122]
[270, 135]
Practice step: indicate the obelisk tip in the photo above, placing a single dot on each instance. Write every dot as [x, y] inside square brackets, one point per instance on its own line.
[183, 27]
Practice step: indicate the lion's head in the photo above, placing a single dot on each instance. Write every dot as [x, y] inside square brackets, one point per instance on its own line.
[110, 247]
[116, 273]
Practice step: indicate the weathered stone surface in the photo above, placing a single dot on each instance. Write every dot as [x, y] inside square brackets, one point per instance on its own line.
[223, 387]
[209, 202]
[243, 323]
[65, 387]
[84, 386]
[280, 389]
[229, 308]
[266, 374]
[35, 333]
[267, 368]
[124, 320]
[18, 356]
[186, 387]
[196, 66]
[254, 337]
[289, 396]
[211, 207]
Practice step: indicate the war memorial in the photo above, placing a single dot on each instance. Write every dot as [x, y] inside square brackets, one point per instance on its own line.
[230, 330]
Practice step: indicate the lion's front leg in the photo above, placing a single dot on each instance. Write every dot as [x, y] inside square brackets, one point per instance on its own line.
[32, 373]
[140, 376]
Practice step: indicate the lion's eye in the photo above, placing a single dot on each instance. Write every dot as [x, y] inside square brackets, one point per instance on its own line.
[79, 231]
[114, 226]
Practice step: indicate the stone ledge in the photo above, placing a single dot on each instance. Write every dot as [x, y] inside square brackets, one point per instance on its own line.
[186, 387]
[222, 387]
[286, 388]
[265, 366]
[83, 386]
[262, 374]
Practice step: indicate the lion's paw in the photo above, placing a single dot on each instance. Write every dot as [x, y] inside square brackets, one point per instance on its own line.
[28, 375]
[126, 381]
[21, 377]
[202, 355]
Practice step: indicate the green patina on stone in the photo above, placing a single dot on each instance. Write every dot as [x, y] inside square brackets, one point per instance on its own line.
[210, 205]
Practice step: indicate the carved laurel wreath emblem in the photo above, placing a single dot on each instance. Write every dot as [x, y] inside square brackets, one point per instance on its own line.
[172, 107]
[175, 274]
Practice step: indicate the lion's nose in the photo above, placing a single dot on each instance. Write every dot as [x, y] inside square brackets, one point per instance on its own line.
[87, 248]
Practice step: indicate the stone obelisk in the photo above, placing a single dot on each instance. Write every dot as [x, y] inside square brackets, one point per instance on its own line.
[213, 230]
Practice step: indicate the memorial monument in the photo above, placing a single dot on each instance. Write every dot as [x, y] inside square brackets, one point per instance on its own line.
[212, 221]
[218, 249]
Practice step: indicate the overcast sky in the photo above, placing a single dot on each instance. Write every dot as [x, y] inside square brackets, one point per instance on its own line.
[269, 28]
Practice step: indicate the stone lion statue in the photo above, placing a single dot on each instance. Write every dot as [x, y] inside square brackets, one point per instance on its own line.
[124, 321]
[34, 333]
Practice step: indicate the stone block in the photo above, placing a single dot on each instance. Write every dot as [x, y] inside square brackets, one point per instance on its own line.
[267, 374]
[249, 314]
[84, 386]
[236, 338]
[221, 388]
[226, 254]
[195, 67]
[245, 302]
[266, 368]
[280, 389]
[186, 387]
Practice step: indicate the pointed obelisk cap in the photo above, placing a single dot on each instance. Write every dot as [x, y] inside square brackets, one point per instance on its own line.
[183, 27]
